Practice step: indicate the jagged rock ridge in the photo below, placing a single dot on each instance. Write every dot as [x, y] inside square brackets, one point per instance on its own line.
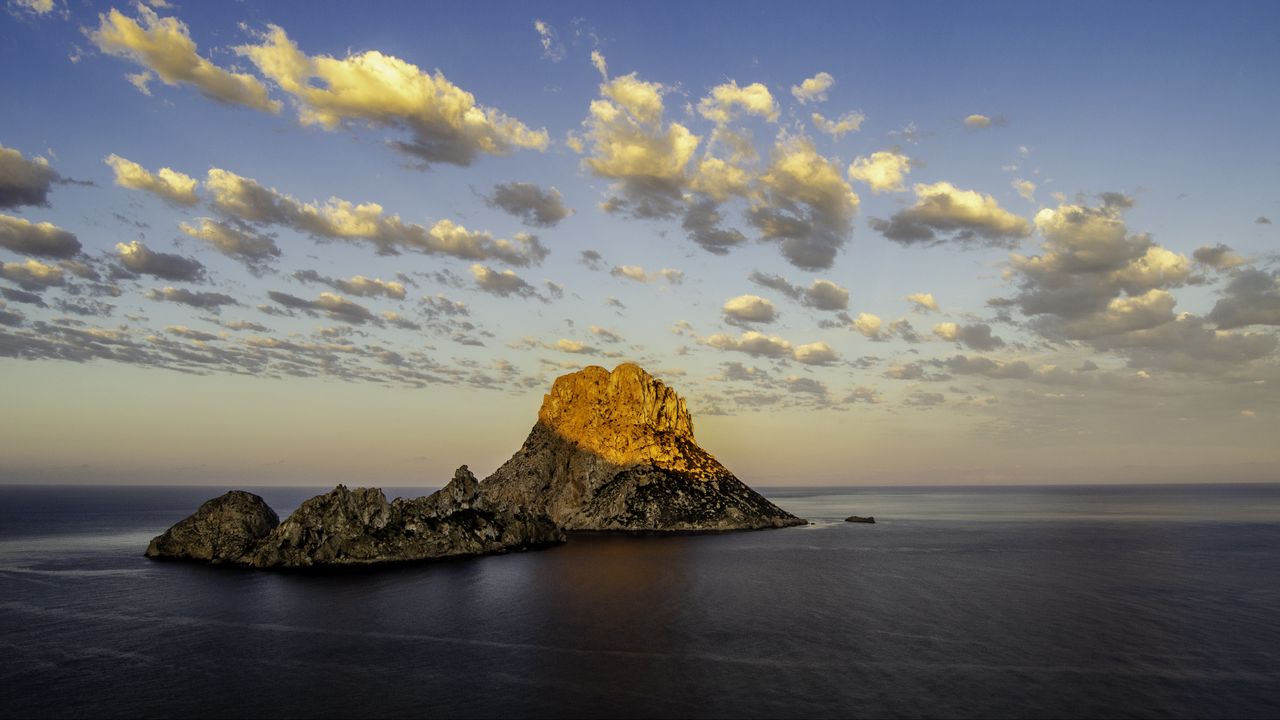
[353, 527]
[615, 451]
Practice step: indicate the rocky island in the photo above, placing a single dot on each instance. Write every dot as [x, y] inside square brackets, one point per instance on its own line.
[611, 451]
[353, 527]
[615, 451]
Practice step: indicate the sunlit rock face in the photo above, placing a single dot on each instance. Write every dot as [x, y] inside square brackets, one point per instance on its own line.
[346, 527]
[615, 451]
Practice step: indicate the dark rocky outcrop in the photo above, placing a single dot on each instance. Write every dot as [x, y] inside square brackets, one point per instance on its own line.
[224, 529]
[347, 527]
[860, 519]
[615, 451]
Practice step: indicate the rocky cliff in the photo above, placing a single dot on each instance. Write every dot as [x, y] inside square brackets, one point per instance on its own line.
[615, 451]
[353, 527]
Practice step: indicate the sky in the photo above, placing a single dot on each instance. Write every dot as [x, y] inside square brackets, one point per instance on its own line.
[870, 244]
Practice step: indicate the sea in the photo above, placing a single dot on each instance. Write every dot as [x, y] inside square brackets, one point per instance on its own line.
[959, 602]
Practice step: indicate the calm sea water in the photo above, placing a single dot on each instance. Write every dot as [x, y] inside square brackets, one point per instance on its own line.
[970, 602]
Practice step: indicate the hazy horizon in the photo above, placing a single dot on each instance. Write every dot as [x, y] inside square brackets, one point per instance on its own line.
[300, 244]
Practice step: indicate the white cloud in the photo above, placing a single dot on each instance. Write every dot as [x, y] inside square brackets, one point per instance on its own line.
[167, 184]
[725, 100]
[841, 126]
[944, 212]
[884, 171]
[246, 200]
[813, 89]
[164, 46]
[552, 48]
[444, 122]
[923, 302]
[502, 283]
[749, 309]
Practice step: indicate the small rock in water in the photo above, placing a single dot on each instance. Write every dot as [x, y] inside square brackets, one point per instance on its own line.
[860, 519]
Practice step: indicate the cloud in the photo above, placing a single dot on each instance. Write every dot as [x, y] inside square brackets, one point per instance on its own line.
[245, 199]
[630, 272]
[236, 240]
[702, 221]
[37, 7]
[1251, 298]
[752, 343]
[502, 283]
[976, 336]
[847, 123]
[631, 146]
[746, 310]
[140, 259]
[979, 121]
[605, 334]
[169, 185]
[996, 369]
[591, 259]
[443, 121]
[758, 344]
[23, 181]
[826, 295]
[1186, 345]
[439, 305]
[1218, 257]
[963, 216]
[164, 46]
[868, 325]
[530, 203]
[805, 205]
[1262, 220]
[924, 399]
[552, 48]
[186, 332]
[818, 353]
[572, 346]
[672, 276]
[821, 295]
[43, 239]
[883, 171]
[923, 302]
[639, 274]
[32, 275]
[334, 306]
[1025, 188]
[1121, 315]
[205, 300]
[862, 393]
[725, 100]
[809, 386]
[358, 285]
[1094, 277]
[813, 89]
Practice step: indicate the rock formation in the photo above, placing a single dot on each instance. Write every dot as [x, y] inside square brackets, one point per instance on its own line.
[224, 529]
[615, 451]
[610, 451]
[860, 519]
[353, 527]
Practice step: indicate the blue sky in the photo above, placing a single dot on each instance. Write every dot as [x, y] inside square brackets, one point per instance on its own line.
[1084, 191]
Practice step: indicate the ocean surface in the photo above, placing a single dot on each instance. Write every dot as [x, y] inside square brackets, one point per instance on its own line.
[960, 602]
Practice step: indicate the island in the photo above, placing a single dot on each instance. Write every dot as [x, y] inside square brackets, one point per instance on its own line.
[610, 451]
